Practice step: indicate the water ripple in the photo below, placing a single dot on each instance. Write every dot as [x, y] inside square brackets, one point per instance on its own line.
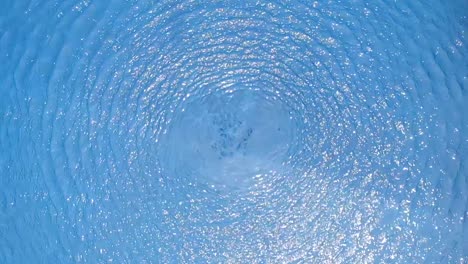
[226, 131]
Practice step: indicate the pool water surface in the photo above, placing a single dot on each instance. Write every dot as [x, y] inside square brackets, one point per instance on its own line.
[185, 131]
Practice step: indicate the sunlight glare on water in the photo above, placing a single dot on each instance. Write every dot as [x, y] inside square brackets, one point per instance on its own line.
[233, 131]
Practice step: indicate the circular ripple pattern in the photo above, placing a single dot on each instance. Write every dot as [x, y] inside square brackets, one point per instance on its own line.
[232, 132]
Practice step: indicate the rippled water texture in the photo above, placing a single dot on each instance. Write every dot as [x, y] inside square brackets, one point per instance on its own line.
[233, 131]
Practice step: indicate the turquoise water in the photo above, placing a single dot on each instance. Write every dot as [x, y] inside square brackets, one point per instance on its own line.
[233, 131]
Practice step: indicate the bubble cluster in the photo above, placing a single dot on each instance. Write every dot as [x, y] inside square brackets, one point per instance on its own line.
[233, 131]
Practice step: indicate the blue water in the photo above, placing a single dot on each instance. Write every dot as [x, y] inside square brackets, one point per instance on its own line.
[233, 131]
